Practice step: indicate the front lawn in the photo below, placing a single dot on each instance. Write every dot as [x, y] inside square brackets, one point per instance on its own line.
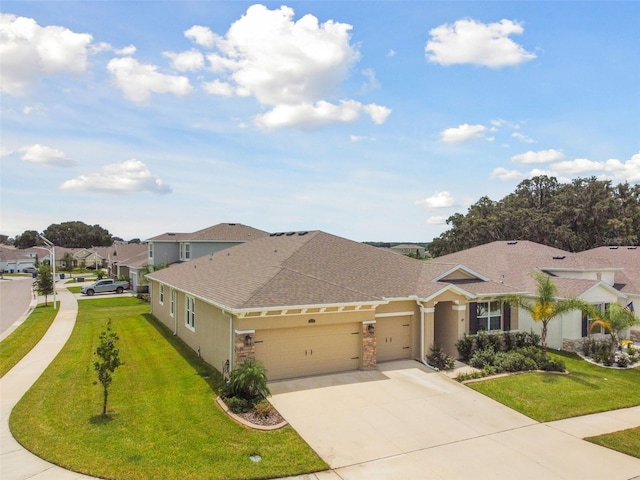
[163, 419]
[625, 441]
[586, 389]
[25, 337]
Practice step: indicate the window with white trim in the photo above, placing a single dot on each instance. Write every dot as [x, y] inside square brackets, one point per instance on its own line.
[172, 302]
[150, 250]
[161, 295]
[489, 315]
[185, 251]
[190, 314]
[586, 321]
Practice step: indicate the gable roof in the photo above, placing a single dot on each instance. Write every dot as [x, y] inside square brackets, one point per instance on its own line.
[626, 259]
[301, 269]
[511, 263]
[222, 232]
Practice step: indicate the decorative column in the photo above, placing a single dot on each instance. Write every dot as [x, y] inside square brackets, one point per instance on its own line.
[369, 355]
[244, 345]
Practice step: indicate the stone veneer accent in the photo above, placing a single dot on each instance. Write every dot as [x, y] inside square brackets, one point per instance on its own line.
[635, 335]
[573, 345]
[369, 343]
[241, 350]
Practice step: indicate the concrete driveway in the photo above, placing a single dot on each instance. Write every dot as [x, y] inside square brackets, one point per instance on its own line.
[405, 421]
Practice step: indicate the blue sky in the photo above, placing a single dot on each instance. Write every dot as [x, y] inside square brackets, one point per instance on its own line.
[369, 120]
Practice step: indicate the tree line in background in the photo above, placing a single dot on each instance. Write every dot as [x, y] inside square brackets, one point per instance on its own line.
[69, 235]
[576, 216]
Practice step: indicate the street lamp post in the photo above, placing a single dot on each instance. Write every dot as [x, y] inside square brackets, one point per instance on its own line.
[53, 264]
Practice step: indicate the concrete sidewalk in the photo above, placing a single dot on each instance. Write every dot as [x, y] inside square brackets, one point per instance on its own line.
[15, 461]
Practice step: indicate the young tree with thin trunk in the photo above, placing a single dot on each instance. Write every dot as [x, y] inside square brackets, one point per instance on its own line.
[44, 283]
[107, 363]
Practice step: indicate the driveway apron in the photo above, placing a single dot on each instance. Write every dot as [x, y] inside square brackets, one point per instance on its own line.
[405, 421]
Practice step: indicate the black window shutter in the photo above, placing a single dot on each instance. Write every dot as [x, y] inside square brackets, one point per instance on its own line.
[585, 326]
[506, 317]
[473, 318]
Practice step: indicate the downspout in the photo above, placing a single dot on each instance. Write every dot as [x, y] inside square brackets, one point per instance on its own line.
[173, 299]
[230, 317]
[422, 352]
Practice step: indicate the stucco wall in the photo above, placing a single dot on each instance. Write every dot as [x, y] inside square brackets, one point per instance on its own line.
[165, 253]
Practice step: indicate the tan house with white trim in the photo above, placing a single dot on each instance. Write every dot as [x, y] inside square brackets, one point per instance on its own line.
[307, 303]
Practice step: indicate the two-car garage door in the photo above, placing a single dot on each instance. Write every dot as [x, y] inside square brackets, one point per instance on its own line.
[312, 350]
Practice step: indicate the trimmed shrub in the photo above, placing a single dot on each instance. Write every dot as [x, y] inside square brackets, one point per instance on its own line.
[483, 358]
[437, 358]
[237, 404]
[514, 361]
[263, 409]
[552, 365]
[249, 381]
[623, 360]
[465, 347]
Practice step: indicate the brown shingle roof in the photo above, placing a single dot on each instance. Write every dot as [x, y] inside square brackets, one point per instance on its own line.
[625, 257]
[296, 269]
[222, 232]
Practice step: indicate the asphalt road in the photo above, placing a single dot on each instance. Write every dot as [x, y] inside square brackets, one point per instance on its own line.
[15, 296]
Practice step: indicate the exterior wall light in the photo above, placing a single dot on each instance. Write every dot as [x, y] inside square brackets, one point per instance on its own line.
[248, 340]
[371, 328]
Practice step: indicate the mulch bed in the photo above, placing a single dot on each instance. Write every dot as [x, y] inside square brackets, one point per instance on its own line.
[251, 416]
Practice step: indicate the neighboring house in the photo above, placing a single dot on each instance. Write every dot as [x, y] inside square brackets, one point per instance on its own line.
[14, 260]
[592, 276]
[128, 260]
[307, 303]
[417, 251]
[170, 248]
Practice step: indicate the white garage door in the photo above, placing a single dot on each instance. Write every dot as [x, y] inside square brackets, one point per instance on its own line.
[313, 350]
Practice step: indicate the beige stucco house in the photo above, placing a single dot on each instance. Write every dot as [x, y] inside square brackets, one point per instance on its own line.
[306, 303]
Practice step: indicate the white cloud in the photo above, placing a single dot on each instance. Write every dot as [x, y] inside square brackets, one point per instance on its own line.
[138, 81]
[470, 41]
[437, 220]
[5, 151]
[189, 61]
[294, 67]
[126, 51]
[462, 133]
[372, 82]
[202, 36]
[391, 53]
[44, 155]
[623, 171]
[523, 138]
[361, 138]
[29, 52]
[217, 87]
[628, 171]
[126, 177]
[107, 47]
[542, 156]
[504, 174]
[307, 115]
[438, 200]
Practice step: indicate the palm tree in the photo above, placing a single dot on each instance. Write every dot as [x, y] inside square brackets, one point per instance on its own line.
[545, 305]
[615, 320]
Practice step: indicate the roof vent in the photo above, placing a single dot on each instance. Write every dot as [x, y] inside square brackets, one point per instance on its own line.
[290, 233]
[632, 248]
[512, 243]
[232, 224]
[613, 248]
[302, 233]
[559, 257]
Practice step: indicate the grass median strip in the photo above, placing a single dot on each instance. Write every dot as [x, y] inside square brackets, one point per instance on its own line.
[25, 337]
[163, 419]
[625, 441]
[586, 389]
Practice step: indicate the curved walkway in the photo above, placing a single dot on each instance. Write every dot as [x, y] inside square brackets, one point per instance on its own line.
[18, 463]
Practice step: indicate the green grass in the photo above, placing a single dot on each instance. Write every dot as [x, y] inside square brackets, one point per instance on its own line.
[76, 289]
[25, 337]
[625, 441]
[163, 419]
[586, 389]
